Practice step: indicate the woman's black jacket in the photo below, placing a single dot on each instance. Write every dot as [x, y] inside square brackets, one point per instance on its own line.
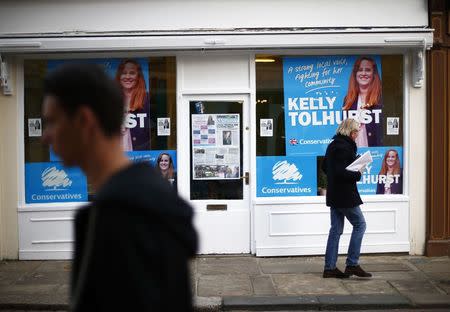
[341, 190]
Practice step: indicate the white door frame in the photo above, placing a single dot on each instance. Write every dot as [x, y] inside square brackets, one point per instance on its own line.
[220, 231]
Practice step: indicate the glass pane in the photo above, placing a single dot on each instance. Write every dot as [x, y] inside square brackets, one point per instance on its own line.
[303, 98]
[216, 153]
[157, 136]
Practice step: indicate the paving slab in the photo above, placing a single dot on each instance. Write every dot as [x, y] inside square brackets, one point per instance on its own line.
[227, 265]
[54, 266]
[51, 301]
[19, 266]
[291, 267]
[270, 303]
[363, 302]
[27, 290]
[263, 286]
[45, 278]
[9, 277]
[435, 267]
[386, 267]
[444, 286]
[207, 304]
[438, 276]
[224, 285]
[307, 284]
[409, 288]
[359, 287]
[430, 301]
[398, 276]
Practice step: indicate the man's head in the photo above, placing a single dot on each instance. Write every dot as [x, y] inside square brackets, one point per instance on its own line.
[81, 105]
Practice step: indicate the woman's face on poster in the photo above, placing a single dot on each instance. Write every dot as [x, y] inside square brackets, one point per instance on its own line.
[129, 76]
[391, 158]
[164, 163]
[364, 75]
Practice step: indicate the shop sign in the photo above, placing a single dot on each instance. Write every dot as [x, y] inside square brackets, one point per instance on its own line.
[286, 176]
[52, 182]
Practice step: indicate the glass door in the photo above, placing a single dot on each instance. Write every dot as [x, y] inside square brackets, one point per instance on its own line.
[219, 170]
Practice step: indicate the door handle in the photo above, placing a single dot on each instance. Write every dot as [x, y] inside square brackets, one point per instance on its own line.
[246, 178]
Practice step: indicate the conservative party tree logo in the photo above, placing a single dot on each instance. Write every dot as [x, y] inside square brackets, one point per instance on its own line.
[286, 176]
[55, 180]
[51, 182]
[285, 173]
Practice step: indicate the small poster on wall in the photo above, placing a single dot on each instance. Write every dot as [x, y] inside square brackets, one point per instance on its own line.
[34, 127]
[393, 125]
[215, 146]
[163, 127]
[266, 127]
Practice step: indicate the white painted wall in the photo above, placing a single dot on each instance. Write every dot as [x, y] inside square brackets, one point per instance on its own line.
[417, 142]
[9, 164]
[49, 16]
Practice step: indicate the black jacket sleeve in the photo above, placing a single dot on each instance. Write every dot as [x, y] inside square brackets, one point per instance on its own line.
[338, 161]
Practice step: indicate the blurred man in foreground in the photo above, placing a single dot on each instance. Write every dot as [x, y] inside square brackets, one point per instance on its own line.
[134, 240]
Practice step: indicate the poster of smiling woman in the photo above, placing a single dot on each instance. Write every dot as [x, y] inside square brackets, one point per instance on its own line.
[321, 91]
[385, 174]
[132, 76]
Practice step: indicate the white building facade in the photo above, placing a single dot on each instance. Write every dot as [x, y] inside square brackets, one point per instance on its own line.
[250, 93]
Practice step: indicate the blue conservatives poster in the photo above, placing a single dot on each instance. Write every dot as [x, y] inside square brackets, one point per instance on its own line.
[385, 174]
[321, 91]
[152, 156]
[286, 176]
[52, 182]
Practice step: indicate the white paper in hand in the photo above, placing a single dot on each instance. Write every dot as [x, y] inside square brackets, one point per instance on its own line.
[360, 163]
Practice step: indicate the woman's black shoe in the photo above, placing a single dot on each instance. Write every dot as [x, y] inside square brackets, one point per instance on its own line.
[335, 273]
[356, 270]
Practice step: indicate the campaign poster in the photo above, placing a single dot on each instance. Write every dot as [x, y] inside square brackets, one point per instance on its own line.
[163, 126]
[52, 182]
[321, 91]
[385, 174]
[133, 78]
[392, 125]
[216, 146]
[152, 157]
[286, 176]
[34, 127]
[266, 127]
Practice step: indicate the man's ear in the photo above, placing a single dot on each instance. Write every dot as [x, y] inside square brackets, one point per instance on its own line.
[86, 120]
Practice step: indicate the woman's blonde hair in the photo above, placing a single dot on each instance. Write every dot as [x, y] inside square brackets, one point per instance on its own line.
[347, 126]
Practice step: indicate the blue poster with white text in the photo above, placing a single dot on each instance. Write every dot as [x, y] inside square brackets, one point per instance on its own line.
[321, 91]
[52, 182]
[385, 174]
[286, 176]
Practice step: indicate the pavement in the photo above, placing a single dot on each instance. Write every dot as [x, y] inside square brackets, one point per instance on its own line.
[249, 283]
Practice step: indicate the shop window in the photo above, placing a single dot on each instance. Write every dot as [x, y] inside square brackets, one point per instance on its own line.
[217, 151]
[149, 132]
[300, 100]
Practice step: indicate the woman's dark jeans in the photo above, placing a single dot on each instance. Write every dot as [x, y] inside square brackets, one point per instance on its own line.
[356, 218]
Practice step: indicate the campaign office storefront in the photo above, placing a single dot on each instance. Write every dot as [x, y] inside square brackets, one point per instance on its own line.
[244, 116]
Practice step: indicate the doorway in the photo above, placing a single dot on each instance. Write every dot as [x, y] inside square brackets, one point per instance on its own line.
[216, 169]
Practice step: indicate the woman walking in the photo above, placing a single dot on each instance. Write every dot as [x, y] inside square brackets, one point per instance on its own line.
[343, 199]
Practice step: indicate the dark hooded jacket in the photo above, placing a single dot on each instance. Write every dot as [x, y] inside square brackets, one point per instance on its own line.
[132, 246]
[341, 191]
